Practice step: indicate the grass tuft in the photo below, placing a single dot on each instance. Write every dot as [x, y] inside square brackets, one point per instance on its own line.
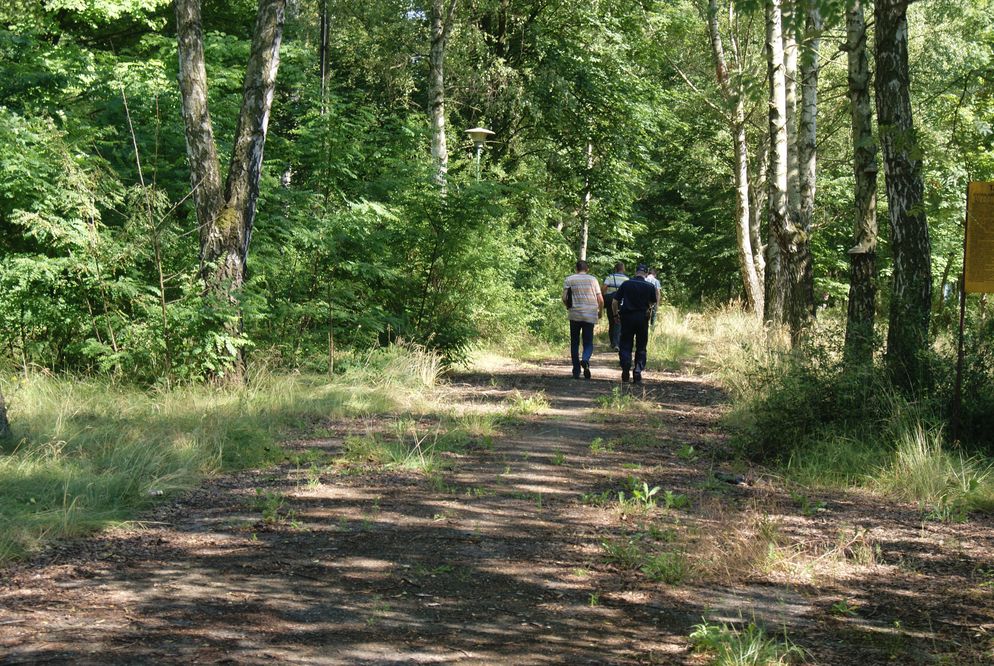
[729, 645]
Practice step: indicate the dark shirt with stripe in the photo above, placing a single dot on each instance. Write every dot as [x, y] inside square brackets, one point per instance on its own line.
[635, 295]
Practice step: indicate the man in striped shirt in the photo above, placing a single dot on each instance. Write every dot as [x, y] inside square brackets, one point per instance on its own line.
[582, 295]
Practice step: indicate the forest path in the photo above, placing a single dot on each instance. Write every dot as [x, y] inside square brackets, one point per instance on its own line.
[498, 559]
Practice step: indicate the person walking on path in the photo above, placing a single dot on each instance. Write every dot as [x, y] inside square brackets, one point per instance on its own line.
[632, 302]
[611, 284]
[582, 296]
[651, 279]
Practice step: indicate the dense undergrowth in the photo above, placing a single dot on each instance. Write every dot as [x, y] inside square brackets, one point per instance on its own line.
[88, 453]
[825, 424]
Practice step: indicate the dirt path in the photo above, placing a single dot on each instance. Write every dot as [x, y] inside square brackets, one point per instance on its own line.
[519, 553]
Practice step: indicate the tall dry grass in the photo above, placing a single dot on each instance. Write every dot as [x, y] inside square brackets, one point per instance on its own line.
[87, 453]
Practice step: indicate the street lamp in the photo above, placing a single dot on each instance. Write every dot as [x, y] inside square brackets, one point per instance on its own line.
[479, 136]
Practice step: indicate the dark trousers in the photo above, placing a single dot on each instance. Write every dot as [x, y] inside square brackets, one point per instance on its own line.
[634, 328]
[578, 329]
[613, 329]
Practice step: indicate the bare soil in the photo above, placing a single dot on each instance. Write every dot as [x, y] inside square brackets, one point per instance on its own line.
[501, 558]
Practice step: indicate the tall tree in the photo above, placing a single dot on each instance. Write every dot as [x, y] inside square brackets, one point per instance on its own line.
[588, 194]
[441, 26]
[862, 273]
[782, 244]
[907, 336]
[733, 95]
[802, 296]
[225, 215]
[4, 423]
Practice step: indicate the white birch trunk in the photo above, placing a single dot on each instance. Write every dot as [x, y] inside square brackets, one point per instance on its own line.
[585, 204]
[780, 224]
[734, 97]
[441, 24]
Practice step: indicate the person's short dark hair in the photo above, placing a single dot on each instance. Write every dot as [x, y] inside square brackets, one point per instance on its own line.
[619, 267]
[581, 265]
[641, 268]
[652, 271]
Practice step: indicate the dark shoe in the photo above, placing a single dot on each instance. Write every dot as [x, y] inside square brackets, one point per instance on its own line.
[586, 369]
[637, 378]
[624, 375]
[576, 375]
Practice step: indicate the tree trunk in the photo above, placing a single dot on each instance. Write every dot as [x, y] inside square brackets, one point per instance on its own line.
[4, 423]
[789, 33]
[737, 125]
[585, 204]
[225, 218]
[441, 24]
[807, 156]
[911, 297]
[758, 211]
[862, 274]
[782, 239]
[323, 56]
[201, 151]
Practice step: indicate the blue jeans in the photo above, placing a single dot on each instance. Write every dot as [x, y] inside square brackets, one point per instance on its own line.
[613, 329]
[634, 328]
[576, 330]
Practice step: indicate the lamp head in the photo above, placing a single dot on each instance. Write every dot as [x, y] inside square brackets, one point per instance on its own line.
[479, 135]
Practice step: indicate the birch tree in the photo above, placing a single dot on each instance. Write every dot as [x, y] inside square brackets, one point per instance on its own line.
[441, 26]
[225, 215]
[782, 233]
[733, 96]
[588, 193]
[907, 337]
[802, 296]
[862, 273]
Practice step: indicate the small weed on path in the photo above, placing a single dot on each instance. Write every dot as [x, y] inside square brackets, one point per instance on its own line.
[520, 404]
[728, 645]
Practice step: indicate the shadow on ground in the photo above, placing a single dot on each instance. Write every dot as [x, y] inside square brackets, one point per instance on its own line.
[500, 559]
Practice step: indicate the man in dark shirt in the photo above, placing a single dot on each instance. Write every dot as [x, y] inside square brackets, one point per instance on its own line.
[632, 302]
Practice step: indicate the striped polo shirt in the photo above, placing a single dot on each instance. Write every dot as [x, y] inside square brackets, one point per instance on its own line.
[585, 289]
[613, 281]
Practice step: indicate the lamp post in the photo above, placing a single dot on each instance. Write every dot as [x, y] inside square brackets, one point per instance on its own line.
[479, 135]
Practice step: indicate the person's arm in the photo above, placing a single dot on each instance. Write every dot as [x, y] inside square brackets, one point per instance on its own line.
[615, 300]
[565, 290]
[600, 304]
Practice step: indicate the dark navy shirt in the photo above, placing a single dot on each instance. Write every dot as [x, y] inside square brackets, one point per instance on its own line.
[636, 295]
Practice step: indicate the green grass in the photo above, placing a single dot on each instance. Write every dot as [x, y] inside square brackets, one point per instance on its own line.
[671, 567]
[88, 454]
[749, 646]
[826, 425]
[520, 404]
[674, 341]
[420, 453]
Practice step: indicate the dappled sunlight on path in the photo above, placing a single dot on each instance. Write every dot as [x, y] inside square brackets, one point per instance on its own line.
[499, 556]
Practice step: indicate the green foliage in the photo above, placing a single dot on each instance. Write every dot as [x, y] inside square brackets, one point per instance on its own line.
[671, 568]
[616, 400]
[828, 424]
[729, 645]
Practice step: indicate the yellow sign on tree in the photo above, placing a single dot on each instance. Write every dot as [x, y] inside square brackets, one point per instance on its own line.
[978, 261]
